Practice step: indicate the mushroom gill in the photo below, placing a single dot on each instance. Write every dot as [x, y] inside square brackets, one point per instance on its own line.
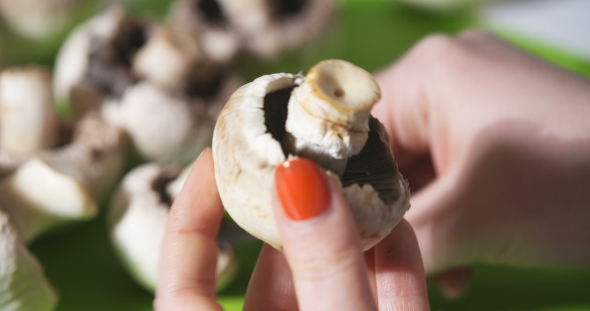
[374, 165]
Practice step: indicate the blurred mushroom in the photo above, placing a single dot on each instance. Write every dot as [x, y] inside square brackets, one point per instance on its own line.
[171, 127]
[37, 198]
[325, 117]
[62, 185]
[269, 27]
[202, 28]
[138, 216]
[28, 122]
[23, 286]
[95, 156]
[37, 19]
[95, 61]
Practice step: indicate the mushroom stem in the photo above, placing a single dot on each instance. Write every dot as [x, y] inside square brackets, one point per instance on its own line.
[37, 197]
[23, 286]
[328, 118]
[28, 122]
[95, 157]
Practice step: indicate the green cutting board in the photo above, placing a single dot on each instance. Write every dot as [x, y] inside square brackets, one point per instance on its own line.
[82, 266]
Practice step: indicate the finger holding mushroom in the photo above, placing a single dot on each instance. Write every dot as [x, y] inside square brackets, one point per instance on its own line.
[325, 117]
[138, 216]
[22, 281]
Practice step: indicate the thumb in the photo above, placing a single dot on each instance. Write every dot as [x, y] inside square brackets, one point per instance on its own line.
[320, 240]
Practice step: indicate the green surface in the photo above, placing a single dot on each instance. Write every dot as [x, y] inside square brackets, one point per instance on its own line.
[82, 265]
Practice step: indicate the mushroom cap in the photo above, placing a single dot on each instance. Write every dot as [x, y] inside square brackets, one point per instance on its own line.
[247, 150]
[23, 285]
[95, 61]
[138, 221]
[138, 216]
[74, 55]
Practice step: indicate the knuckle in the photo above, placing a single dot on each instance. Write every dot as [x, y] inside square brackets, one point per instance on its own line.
[446, 58]
[437, 44]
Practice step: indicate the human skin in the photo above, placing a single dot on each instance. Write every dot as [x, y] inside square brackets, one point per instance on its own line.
[496, 146]
[322, 266]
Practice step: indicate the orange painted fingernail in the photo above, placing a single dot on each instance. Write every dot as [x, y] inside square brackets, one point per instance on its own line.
[302, 189]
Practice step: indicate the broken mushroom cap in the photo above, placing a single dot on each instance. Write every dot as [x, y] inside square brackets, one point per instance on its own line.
[28, 121]
[170, 127]
[138, 216]
[22, 281]
[269, 27]
[324, 117]
[95, 60]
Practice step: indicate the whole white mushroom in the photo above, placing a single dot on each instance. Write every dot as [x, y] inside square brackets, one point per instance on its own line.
[324, 116]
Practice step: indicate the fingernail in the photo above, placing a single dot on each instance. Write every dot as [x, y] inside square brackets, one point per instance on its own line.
[302, 189]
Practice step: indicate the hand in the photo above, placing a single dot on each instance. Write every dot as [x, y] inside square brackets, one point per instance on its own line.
[322, 266]
[496, 146]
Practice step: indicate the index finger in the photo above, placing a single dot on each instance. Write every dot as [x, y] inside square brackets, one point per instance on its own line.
[189, 249]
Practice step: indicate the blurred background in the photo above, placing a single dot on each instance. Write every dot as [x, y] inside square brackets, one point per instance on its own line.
[80, 261]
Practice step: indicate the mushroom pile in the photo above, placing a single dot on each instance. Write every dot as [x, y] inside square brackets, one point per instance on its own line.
[222, 28]
[53, 172]
[134, 87]
[164, 84]
[325, 117]
[134, 74]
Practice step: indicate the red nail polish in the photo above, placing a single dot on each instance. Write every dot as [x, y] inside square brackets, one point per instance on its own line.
[302, 189]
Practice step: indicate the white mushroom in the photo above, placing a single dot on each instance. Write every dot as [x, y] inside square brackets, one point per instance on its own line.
[269, 27]
[170, 127]
[95, 60]
[28, 122]
[23, 286]
[203, 30]
[138, 217]
[324, 117]
[37, 19]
